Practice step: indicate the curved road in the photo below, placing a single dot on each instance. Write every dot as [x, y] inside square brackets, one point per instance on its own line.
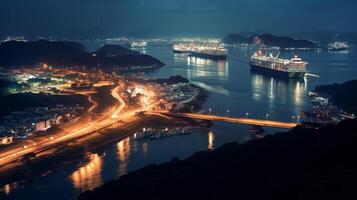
[107, 119]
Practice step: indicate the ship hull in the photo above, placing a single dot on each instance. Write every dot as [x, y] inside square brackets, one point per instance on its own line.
[179, 51]
[337, 49]
[276, 73]
[208, 56]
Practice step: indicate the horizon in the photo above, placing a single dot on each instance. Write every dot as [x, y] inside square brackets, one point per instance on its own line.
[308, 35]
[159, 18]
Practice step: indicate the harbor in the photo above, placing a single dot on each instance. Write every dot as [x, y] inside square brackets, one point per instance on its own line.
[230, 85]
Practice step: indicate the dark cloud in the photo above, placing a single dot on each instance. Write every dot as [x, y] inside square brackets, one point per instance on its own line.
[166, 17]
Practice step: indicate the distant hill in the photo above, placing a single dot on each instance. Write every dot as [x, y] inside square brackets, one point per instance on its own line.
[325, 37]
[237, 39]
[65, 53]
[114, 50]
[270, 40]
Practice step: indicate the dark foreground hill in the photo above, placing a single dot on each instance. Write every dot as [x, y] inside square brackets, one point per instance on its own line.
[65, 53]
[270, 40]
[301, 164]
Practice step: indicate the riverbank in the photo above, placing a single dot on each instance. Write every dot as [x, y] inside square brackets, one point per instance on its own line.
[342, 95]
[74, 151]
[300, 164]
[196, 103]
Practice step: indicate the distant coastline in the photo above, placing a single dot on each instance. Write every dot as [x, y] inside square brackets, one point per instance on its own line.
[72, 54]
[343, 95]
[270, 41]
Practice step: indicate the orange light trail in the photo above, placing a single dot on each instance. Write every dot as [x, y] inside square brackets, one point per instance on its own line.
[107, 119]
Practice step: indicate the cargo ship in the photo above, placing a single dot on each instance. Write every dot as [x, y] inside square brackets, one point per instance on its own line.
[210, 52]
[275, 66]
[338, 46]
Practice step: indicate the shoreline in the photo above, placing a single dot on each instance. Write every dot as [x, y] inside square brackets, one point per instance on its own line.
[289, 159]
[93, 142]
[340, 94]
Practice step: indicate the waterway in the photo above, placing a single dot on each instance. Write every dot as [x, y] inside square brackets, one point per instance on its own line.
[233, 90]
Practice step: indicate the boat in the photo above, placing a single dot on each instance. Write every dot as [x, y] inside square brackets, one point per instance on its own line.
[275, 66]
[210, 52]
[338, 46]
[139, 44]
[181, 48]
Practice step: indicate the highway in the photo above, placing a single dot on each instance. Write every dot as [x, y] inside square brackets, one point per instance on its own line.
[248, 121]
[79, 129]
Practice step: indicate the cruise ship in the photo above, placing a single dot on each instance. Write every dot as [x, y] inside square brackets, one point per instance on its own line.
[338, 46]
[275, 66]
[182, 48]
[210, 52]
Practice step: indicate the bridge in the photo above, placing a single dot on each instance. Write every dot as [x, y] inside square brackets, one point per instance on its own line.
[238, 120]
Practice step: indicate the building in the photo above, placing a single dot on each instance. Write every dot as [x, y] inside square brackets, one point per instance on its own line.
[4, 140]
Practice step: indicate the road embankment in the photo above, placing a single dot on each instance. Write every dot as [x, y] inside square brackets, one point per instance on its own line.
[75, 150]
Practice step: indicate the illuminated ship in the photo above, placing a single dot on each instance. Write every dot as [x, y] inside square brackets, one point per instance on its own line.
[182, 48]
[338, 46]
[275, 66]
[139, 44]
[17, 39]
[210, 52]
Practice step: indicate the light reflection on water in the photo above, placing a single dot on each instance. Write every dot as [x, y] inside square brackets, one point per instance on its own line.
[123, 152]
[205, 68]
[210, 140]
[273, 90]
[145, 147]
[178, 57]
[89, 175]
[8, 188]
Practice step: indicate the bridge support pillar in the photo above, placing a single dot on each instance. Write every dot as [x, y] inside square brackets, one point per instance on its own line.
[256, 129]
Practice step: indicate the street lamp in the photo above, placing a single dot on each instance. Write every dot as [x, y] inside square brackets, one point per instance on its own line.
[298, 119]
[228, 112]
[191, 109]
[266, 116]
[246, 115]
[210, 110]
[293, 118]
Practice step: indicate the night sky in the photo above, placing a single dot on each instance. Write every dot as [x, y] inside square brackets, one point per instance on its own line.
[103, 18]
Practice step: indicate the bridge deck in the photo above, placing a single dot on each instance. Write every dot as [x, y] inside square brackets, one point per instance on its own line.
[248, 121]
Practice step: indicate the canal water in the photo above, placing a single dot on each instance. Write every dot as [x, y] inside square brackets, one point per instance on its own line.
[233, 90]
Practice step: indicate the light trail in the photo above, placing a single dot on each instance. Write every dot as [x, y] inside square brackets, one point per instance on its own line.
[248, 121]
[81, 129]
[121, 101]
